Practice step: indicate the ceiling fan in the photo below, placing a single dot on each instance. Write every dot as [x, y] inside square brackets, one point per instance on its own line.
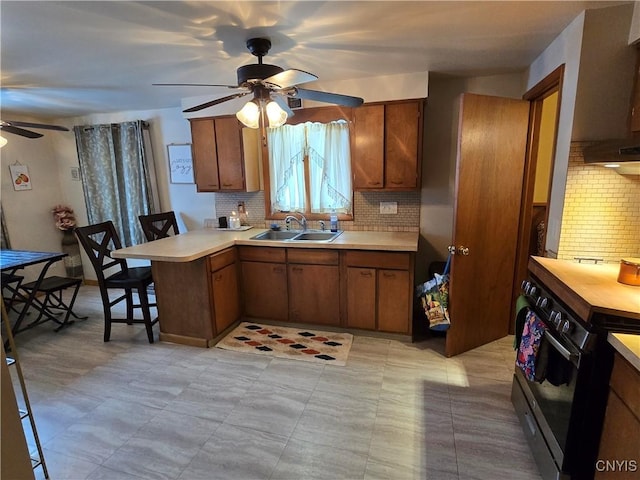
[271, 82]
[15, 128]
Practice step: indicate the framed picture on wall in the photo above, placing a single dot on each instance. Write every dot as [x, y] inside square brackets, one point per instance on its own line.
[20, 177]
[180, 163]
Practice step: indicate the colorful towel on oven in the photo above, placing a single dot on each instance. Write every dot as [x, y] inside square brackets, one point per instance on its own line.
[529, 350]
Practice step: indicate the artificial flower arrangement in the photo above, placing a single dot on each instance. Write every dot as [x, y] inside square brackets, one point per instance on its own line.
[64, 217]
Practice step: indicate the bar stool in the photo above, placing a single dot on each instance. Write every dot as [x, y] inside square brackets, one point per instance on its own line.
[99, 241]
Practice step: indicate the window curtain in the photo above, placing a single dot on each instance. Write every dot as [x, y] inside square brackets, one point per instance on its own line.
[286, 167]
[328, 150]
[329, 167]
[116, 178]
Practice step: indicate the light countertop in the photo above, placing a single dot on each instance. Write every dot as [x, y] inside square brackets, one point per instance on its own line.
[192, 245]
[628, 346]
[595, 287]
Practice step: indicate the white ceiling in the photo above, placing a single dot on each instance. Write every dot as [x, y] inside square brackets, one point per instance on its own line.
[73, 58]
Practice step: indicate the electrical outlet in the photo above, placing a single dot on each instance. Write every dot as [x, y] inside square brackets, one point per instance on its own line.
[388, 208]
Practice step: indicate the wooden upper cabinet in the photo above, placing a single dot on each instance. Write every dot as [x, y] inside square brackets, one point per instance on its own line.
[388, 146]
[402, 134]
[635, 106]
[225, 157]
[230, 154]
[205, 158]
[368, 162]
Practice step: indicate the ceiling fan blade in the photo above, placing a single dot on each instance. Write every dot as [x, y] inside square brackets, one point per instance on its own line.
[37, 125]
[336, 98]
[289, 78]
[20, 131]
[193, 85]
[214, 102]
[284, 105]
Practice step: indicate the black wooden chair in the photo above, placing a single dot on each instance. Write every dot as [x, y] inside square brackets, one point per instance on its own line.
[158, 225]
[11, 290]
[99, 241]
[53, 288]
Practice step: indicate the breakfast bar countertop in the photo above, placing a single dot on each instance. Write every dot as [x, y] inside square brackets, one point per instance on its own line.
[192, 245]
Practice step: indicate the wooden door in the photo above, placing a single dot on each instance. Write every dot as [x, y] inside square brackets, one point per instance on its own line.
[226, 298]
[205, 160]
[361, 298]
[314, 294]
[230, 153]
[368, 161]
[402, 141]
[264, 288]
[492, 143]
[394, 302]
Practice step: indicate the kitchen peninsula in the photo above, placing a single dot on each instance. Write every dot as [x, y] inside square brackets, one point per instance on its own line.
[205, 280]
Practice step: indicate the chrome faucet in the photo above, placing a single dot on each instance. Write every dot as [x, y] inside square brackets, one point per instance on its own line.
[302, 221]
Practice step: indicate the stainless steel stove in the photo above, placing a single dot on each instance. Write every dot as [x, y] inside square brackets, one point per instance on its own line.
[562, 415]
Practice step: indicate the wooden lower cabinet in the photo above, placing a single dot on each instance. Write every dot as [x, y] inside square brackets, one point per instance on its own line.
[619, 454]
[361, 298]
[314, 294]
[226, 296]
[394, 301]
[264, 282]
[379, 289]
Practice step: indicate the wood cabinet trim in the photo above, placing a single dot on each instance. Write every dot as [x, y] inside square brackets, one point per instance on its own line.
[262, 254]
[388, 260]
[312, 257]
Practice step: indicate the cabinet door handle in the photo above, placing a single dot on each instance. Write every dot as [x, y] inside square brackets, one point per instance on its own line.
[373, 183]
[278, 269]
[396, 183]
[389, 275]
[227, 184]
[296, 269]
[366, 273]
[217, 277]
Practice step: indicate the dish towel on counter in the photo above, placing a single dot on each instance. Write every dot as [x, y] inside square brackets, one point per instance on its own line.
[522, 307]
[529, 350]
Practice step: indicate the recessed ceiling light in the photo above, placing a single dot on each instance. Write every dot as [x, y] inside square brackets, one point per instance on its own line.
[612, 165]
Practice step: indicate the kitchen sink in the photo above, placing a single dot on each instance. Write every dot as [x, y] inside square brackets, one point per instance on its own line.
[297, 236]
[275, 235]
[317, 236]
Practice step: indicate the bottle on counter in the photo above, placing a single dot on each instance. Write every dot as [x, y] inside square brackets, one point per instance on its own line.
[333, 220]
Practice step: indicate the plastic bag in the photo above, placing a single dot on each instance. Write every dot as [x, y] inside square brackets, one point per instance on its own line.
[434, 296]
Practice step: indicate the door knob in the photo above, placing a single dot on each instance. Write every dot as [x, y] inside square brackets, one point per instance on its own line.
[451, 249]
[462, 250]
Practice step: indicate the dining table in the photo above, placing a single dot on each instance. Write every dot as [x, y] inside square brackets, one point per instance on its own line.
[13, 260]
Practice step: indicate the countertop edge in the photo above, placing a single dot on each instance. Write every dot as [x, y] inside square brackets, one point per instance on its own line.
[138, 251]
[628, 346]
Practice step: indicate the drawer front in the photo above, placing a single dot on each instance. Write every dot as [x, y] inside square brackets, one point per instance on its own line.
[312, 256]
[262, 254]
[222, 259]
[392, 260]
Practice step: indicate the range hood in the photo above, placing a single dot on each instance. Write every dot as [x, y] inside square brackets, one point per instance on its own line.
[623, 155]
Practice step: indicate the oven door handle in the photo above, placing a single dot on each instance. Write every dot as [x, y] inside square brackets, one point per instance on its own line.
[562, 350]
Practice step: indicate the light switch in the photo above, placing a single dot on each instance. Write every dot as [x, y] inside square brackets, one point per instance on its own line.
[388, 208]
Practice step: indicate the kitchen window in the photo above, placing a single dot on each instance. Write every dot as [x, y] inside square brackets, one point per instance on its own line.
[310, 168]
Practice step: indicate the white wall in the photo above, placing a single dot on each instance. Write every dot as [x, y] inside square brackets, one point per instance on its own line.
[27, 213]
[634, 31]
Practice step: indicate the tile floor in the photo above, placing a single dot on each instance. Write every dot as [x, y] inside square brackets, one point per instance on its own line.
[127, 410]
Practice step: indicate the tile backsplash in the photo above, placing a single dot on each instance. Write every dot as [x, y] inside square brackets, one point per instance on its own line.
[366, 208]
[601, 216]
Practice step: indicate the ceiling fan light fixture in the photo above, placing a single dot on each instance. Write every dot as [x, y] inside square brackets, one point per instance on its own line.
[249, 115]
[276, 115]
